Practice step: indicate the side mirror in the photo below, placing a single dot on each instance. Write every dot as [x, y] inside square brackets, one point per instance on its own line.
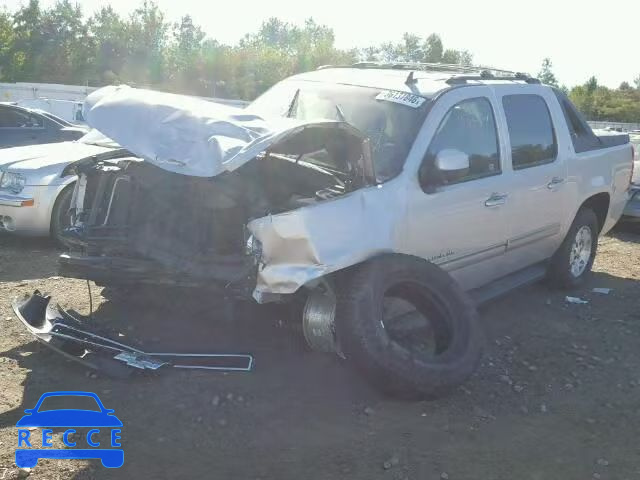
[449, 165]
[452, 161]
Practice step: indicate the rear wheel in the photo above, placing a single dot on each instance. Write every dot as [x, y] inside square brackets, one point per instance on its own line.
[408, 326]
[572, 263]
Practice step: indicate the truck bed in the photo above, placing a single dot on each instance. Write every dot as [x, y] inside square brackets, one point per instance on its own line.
[610, 138]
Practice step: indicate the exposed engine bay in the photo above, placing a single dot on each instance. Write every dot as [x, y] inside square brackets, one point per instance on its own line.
[135, 222]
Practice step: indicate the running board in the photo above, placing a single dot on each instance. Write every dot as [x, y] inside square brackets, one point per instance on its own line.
[504, 285]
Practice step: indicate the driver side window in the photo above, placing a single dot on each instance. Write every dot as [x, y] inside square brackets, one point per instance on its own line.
[468, 127]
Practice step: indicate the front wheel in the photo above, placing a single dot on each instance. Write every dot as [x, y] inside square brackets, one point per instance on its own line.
[572, 263]
[60, 215]
[407, 326]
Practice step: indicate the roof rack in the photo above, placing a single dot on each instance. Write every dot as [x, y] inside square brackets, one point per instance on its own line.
[469, 72]
[487, 75]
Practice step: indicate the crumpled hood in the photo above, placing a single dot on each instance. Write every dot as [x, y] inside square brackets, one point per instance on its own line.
[182, 134]
[46, 158]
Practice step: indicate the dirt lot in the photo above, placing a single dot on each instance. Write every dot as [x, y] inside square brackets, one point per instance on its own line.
[555, 398]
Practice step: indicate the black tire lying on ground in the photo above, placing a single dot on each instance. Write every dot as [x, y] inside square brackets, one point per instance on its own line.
[387, 364]
[559, 273]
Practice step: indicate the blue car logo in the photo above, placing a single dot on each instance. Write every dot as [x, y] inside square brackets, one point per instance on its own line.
[65, 418]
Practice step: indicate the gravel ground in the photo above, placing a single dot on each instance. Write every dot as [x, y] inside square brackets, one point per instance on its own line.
[556, 396]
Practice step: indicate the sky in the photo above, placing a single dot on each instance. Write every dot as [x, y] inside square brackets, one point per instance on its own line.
[582, 38]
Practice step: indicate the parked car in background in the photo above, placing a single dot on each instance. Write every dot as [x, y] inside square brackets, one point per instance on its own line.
[34, 197]
[26, 126]
[67, 110]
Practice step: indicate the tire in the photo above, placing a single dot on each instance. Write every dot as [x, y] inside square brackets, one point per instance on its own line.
[387, 364]
[560, 272]
[60, 218]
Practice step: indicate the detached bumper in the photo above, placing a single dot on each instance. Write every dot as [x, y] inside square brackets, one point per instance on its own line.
[63, 332]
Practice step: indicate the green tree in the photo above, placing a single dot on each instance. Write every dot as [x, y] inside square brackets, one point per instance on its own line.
[66, 51]
[433, 49]
[184, 55]
[7, 39]
[412, 48]
[147, 37]
[28, 42]
[546, 74]
[109, 34]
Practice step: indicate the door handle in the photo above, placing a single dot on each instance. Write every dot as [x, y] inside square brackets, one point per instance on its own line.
[496, 199]
[555, 182]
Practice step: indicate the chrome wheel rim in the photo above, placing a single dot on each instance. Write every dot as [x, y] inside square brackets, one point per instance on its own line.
[580, 251]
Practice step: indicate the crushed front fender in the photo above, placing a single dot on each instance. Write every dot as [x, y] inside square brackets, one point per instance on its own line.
[305, 244]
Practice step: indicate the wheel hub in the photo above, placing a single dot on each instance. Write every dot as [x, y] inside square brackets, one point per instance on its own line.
[580, 251]
[318, 322]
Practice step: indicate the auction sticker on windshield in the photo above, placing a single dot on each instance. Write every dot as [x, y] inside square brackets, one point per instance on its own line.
[402, 98]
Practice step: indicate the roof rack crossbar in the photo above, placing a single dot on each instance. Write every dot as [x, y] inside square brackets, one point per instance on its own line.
[488, 75]
[434, 67]
[466, 72]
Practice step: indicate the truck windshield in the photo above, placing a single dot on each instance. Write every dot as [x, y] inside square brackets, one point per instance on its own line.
[390, 126]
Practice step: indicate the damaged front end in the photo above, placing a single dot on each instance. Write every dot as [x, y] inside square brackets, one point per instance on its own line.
[135, 222]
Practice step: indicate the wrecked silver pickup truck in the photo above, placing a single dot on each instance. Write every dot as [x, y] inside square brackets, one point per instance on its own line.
[393, 198]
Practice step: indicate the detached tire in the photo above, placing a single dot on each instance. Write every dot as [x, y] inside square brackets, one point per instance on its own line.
[387, 364]
[572, 263]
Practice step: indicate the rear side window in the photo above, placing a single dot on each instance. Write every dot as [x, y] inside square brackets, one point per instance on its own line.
[533, 140]
[582, 136]
[13, 118]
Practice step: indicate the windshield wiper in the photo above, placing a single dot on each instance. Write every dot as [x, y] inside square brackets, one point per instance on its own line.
[341, 115]
[293, 104]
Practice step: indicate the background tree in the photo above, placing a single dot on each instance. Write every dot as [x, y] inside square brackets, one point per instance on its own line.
[59, 44]
[546, 74]
[7, 39]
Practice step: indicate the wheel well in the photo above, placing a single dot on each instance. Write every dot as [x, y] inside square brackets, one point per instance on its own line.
[599, 203]
[69, 186]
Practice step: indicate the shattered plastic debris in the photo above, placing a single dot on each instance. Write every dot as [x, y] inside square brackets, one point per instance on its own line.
[604, 291]
[576, 300]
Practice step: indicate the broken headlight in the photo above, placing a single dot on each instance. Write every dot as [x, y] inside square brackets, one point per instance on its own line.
[14, 182]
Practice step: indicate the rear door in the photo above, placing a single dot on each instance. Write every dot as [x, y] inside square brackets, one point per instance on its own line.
[461, 224]
[537, 154]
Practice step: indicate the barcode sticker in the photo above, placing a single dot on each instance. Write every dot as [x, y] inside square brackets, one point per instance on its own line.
[402, 98]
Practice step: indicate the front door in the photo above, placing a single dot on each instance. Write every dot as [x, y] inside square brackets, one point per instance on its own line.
[460, 223]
